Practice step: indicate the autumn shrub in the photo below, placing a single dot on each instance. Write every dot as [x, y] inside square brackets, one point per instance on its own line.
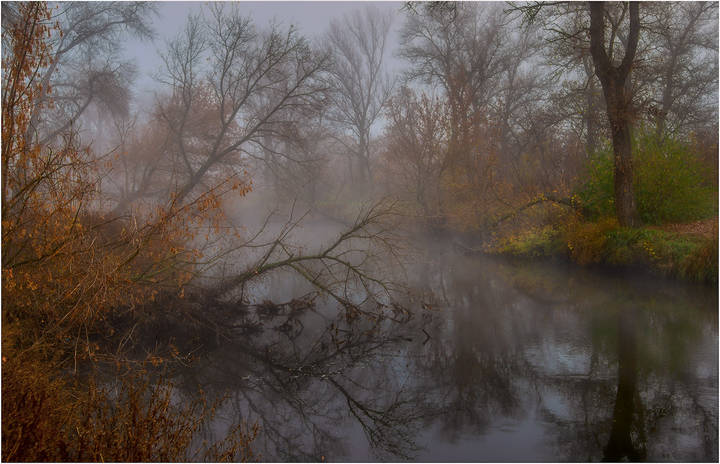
[66, 270]
[638, 246]
[605, 242]
[586, 242]
[670, 184]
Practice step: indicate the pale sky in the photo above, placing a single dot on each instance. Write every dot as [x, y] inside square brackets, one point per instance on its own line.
[311, 19]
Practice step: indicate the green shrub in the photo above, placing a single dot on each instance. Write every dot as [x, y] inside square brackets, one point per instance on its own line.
[596, 195]
[669, 182]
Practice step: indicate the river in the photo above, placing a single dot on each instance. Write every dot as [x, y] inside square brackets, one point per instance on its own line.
[502, 361]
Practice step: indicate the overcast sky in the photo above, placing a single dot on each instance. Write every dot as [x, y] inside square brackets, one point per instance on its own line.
[311, 18]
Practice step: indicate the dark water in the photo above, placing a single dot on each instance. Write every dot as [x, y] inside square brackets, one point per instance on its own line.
[511, 362]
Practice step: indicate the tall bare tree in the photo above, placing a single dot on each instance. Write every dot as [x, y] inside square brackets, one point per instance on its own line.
[231, 87]
[417, 145]
[493, 84]
[360, 85]
[684, 64]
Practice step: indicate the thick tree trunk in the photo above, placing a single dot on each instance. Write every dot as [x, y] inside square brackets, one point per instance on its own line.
[625, 207]
[614, 80]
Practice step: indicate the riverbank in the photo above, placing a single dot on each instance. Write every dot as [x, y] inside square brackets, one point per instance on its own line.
[683, 251]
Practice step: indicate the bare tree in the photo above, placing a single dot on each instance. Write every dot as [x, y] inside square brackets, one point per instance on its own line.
[493, 85]
[234, 93]
[576, 96]
[460, 49]
[141, 146]
[85, 69]
[250, 84]
[604, 32]
[346, 268]
[417, 147]
[360, 86]
[683, 64]
[668, 73]
[292, 161]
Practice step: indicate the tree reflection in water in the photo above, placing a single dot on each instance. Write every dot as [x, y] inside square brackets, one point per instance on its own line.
[301, 380]
[602, 367]
[628, 409]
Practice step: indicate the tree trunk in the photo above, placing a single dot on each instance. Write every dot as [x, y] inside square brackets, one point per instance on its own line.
[614, 80]
[625, 207]
[591, 121]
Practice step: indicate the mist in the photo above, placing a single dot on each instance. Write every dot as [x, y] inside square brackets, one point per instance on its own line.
[359, 231]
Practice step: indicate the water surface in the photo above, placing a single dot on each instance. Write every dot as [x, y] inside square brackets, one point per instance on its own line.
[499, 362]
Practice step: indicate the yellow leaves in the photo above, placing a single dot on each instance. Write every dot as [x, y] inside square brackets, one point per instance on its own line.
[647, 246]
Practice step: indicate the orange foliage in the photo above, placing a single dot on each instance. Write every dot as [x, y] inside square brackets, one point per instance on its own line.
[64, 264]
[445, 155]
[67, 267]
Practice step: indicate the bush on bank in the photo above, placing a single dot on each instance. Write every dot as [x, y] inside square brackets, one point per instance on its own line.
[671, 181]
[686, 256]
[672, 185]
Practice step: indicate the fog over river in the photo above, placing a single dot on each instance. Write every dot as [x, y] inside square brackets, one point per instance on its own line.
[514, 362]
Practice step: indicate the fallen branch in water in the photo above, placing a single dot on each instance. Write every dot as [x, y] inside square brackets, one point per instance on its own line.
[348, 269]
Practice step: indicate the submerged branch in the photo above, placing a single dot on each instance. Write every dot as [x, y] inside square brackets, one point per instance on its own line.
[343, 269]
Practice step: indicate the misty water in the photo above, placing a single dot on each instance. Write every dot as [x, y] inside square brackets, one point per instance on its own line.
[510, 362]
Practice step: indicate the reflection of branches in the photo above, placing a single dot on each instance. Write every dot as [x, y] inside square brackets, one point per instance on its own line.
[380, 424]
[296, 386]
[314, 379]
[475, 366]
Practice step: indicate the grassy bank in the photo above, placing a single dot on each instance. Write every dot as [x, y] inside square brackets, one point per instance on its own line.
[676, 195]
[679, 252]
